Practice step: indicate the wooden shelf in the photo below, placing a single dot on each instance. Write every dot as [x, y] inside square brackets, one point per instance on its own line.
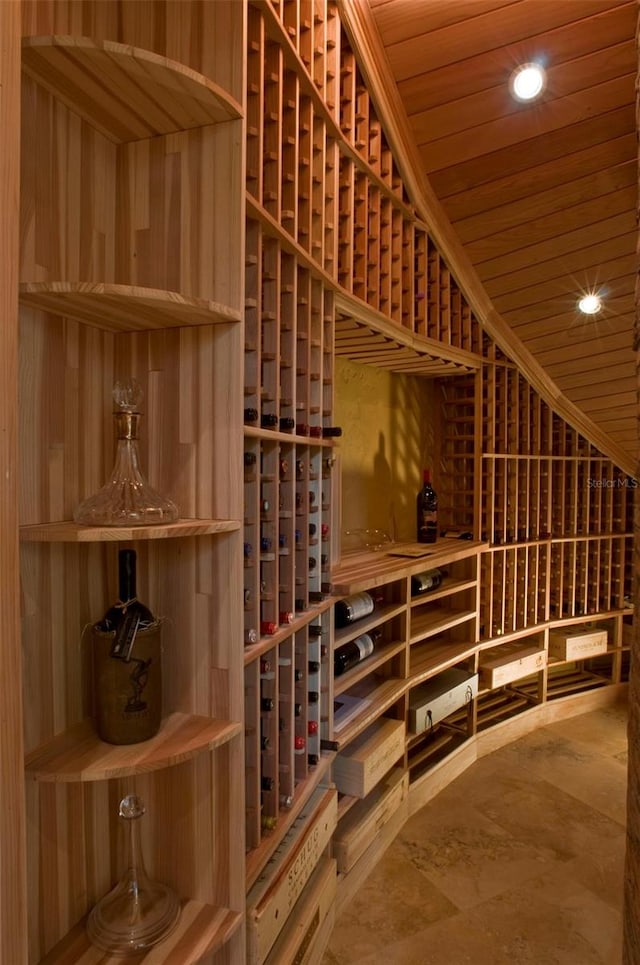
[366, 569]
[69, 532]
[202, 929]
[447, 588]
[124, 91]
[433, 656]
[375, 619]
[379, 699]
[437, 621]
[380, 655]
[123, 308]
[79, 755]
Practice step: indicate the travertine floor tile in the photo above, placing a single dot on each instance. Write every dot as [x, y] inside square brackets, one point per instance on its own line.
[517, 862]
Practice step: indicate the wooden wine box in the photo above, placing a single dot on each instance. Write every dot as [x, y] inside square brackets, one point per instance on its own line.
[366, 760]
[508, 662]
[270, 901]
[577, 643]
[363, 822]
[301, 940]
[442, 695]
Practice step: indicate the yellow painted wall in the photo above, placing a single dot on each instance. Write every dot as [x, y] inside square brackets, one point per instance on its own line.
[387, 440]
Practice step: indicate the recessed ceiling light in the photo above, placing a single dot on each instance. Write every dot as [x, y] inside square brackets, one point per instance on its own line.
[590, 304]
[527, 82]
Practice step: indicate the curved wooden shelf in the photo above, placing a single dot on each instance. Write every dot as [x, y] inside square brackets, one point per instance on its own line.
[78, 754]
[70, 532]
[202, 929]
[123, 308]
[125, 92]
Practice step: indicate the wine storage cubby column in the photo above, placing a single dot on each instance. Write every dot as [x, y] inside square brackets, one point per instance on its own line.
[290, 256]
[125, 272]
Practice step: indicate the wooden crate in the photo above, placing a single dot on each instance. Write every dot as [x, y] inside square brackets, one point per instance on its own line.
[281, 883]
[577, 643]
[299, 942]
[366, 760]
[439, 697]
[362, 824]
[501, 665]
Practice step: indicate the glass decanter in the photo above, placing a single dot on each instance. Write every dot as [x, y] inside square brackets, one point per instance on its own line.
[138, 912]
[127, 499]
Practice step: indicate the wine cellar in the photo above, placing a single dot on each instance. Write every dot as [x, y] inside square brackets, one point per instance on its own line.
[210, 202]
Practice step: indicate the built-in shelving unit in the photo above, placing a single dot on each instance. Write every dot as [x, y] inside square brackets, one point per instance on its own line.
[211, 203]
[132, 205]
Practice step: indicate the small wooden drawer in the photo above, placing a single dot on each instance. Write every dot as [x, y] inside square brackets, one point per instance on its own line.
[362, 823]
[366, 760]
[510, 661]
[577, 643]
[442, 695]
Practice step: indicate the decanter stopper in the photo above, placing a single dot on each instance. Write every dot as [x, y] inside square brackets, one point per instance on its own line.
[127, 499]
[138, 912]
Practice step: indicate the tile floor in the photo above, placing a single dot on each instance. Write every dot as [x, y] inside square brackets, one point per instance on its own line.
[518, 861]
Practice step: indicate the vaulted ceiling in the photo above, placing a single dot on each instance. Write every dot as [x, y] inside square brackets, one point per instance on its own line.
[542, 196]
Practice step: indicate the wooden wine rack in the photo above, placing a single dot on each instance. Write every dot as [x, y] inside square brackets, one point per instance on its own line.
[226, 235]
[339, 265]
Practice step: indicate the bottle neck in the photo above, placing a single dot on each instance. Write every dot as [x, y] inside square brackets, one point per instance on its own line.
[126, 424]
[127, 575]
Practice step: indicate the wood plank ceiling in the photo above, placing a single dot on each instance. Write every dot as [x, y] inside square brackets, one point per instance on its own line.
[542, 196]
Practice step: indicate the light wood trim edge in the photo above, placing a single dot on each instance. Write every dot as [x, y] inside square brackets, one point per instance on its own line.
[70, 532]
[358, 21]
[13, 886]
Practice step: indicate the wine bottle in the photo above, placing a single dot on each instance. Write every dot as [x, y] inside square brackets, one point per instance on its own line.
[353, 608]
[427, 511]
[127, 670]
[354, 652]
[422, 582]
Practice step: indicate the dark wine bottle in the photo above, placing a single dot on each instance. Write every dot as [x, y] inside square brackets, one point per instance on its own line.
[268, 420]
[127, 669]
[423, 582]
[353, 608]
[127, 615]
[351, 654]
[427, 511]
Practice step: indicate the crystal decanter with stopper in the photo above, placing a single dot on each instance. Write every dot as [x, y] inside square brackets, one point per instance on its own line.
[127, 499]
[138, 912]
